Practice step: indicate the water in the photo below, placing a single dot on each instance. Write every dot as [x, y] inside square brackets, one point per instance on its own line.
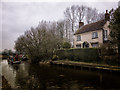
[28, 76]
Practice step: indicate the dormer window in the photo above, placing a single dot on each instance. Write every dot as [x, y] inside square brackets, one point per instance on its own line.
[78, 37]
[94, 35]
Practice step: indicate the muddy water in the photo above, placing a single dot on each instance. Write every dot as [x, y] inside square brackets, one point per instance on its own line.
[28, 76]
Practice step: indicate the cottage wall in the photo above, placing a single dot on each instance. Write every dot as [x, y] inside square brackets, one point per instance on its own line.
[106, 27]
[88, 37]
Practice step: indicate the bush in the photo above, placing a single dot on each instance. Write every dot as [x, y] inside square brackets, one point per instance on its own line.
[55, 57]
[85, 54]
[107, 49]
[66, 45]
[112, 60]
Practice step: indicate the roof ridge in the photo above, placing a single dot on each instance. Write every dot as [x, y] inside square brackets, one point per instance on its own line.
[91, 27]
[95, 22]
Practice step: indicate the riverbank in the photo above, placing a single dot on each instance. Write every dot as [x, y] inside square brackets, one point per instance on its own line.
[44, 62]
[89, 66]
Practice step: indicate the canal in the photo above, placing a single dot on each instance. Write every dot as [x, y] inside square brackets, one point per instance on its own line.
[26, 76]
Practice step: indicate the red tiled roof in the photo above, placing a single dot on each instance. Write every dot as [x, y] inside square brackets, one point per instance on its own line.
[91, 27]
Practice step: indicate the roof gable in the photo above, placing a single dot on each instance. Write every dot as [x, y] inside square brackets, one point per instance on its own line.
[91, 27]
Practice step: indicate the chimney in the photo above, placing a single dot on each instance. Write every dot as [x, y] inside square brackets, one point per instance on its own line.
[107, 16]
[81, 24]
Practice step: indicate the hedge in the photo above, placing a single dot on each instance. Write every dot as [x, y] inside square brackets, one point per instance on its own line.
[85, 54]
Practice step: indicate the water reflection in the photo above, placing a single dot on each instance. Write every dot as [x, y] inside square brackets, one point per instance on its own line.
[28, 76]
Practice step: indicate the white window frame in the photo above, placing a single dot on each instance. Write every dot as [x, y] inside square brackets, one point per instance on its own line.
[78, 37]
[105, 35]
[94, 35]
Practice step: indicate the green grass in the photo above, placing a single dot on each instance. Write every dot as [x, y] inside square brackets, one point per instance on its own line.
[100, 64]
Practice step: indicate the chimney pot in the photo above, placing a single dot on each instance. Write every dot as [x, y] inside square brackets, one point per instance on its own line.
[107, 16]
[81, 24]
[106, 11]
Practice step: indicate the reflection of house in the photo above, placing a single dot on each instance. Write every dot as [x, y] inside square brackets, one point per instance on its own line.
[92, 35]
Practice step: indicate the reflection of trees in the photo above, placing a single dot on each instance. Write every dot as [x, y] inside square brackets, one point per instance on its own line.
[14, 67]
[21, 74]
[40, 76]
[43, 77]
[50, 77]
[46, 77]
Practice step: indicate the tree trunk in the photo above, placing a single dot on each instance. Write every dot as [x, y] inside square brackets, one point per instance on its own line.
[72, 27]
[66, 31]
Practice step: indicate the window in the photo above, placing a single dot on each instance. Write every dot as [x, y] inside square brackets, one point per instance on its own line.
[94, 35]
[105, 35]
[78, 38]
[95, 44]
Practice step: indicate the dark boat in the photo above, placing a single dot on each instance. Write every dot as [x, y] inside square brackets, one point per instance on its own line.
[12, 61]
[16, 62]
[24, 58]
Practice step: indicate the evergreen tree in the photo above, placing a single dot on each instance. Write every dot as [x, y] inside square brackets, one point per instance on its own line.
[115, 27]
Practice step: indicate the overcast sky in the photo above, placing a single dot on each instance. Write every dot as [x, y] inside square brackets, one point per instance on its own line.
[17, 17]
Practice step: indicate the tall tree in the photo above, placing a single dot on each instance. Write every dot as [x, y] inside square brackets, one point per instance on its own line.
[92, 15]
[70, 14]
[39, 43]
[88, 15]
[60, 28]
[80, 12]
[115, 27]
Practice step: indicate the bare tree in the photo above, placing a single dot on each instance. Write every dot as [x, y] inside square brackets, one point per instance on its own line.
[67, 28]
[88, 15]
[70, 14]
[60, 28]
[80, 12]
[100, 16]
[39, 43]
[92, 15]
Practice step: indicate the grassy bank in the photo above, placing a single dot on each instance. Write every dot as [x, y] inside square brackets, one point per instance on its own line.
[99, 66]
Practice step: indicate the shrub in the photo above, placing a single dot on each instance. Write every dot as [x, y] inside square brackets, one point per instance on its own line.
[55, 57]
[85, 54]
[107, 49]
[66, 45]
[112, 60]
